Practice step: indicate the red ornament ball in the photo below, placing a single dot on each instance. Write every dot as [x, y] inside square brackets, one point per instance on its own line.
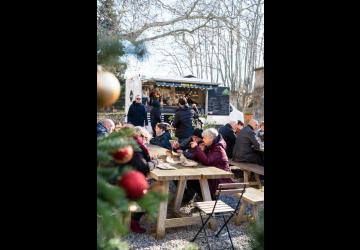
[123, 155]
[134, 183]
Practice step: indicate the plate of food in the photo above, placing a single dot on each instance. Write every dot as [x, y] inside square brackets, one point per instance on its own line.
[165, 166]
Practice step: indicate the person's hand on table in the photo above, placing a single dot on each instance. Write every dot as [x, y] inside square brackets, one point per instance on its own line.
[154, 155]
[175, 144]
[193, 144]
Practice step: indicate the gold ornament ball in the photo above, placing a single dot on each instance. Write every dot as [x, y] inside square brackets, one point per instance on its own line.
[108, 88]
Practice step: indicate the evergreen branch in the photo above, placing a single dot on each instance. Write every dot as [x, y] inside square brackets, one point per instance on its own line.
[150, 203]
[112, 194]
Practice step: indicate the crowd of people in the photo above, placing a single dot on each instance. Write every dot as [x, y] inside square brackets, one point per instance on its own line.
[210, 147]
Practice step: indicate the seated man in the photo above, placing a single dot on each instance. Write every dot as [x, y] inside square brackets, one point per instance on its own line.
[228, 133]
[247, 147]
[184, 146]
[105, 127]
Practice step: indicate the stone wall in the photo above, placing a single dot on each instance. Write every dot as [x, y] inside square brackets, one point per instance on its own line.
[116, 116]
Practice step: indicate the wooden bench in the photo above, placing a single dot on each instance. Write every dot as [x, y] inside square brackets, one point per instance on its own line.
[248, 168]
[252, 196]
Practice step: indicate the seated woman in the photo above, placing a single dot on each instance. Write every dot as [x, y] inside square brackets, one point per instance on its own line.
[214, 155]
[163, 136]
[141, 161]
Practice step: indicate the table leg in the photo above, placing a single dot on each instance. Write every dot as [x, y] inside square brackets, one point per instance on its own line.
[160, 226]
[205, 190]
[179, 194]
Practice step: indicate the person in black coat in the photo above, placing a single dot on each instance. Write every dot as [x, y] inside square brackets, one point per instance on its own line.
[162, 137]
[228, 133]
[184, 146]
[137, 113]
[247, 147]
[155, 113]
[183, 120]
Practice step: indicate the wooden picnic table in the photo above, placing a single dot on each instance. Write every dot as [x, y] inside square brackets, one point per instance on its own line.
[182, 174]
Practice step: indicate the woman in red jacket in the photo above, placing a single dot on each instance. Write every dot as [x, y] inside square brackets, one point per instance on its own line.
[212, 153]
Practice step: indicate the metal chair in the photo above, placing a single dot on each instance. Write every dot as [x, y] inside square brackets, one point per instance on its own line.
[218, 208]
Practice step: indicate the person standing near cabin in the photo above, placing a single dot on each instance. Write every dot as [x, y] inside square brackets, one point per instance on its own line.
[155, 113]
[137, 113]
[183, 120]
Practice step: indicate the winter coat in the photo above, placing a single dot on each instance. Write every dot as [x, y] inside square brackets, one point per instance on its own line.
[215, 155]
[185, 147]
[101, 130]
[162, 140]
[245, 147]
[229, 136]
[137, 114]
[183, 122]
[155, 113]
[141, 160]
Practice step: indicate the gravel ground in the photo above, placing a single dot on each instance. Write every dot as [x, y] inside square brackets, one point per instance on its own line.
[177, 238]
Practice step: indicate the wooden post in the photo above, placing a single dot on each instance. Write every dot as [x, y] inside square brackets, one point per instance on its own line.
[246, 176]
[240, 217]
[160, 226]
[257, 177]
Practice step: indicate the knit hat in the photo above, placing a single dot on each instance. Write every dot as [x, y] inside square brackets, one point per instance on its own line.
[198, 132]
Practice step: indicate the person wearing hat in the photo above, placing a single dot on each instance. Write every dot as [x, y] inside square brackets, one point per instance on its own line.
[184, 146]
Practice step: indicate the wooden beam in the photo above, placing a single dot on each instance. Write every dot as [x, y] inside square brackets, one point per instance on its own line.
[184, 221]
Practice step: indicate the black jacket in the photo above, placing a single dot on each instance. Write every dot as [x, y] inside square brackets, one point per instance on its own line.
[155, 113]
[246, 146]
[186, 148]
[101, 130]
[140, 161]
[183, 122]
[162, 140]
[137, 114]
[230, 137]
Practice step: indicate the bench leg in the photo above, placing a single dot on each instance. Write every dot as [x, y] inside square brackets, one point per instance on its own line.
[240, 217]
[246, 176]
[255, 211]
[257, 177]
